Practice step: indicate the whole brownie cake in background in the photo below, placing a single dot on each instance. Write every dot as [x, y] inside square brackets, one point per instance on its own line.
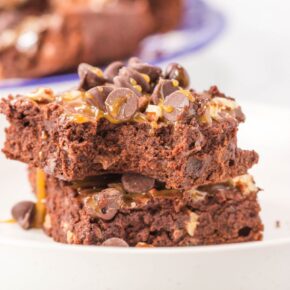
[134, 156]
[129, 118]
[39, 38]
[13, 12]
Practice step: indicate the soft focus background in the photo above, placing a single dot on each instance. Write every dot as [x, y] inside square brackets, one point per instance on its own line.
[251, 59]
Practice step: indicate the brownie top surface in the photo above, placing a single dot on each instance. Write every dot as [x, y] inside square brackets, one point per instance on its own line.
[136, 92]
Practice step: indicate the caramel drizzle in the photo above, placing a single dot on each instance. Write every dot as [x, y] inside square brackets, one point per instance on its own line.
[8, 221]
[78, 110]
[40, 208]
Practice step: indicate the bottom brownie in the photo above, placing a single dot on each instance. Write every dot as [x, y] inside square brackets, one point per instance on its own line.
[93, 211]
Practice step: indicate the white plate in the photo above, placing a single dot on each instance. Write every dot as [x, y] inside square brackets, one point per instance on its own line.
[30, 260]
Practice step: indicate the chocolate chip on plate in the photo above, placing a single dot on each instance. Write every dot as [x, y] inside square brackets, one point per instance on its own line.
[104, 204]
[163, 89]
[23, 212]
[112, 70]
[177, 72]
[98, 95]
[90, 76]
[174, 105]
[122, 104]
[115, 242]
[137, 183]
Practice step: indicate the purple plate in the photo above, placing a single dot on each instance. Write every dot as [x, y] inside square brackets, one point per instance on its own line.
[201, 24]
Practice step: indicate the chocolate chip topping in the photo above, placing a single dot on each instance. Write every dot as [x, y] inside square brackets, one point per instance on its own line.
[122, 82]
[177, 72]
[112, 70]
[115, 242]
[139, 92]
[23, 212]
[104, 204]
[98, 95]
[174, 105]
[122, 104]
[163, 89]
[136, 183]
[90, 76]
[136, 78]
[153, 72]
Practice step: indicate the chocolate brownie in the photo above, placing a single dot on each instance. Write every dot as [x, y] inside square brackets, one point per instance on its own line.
[23, 5]
[167, 13]
[58, 40]
[38, 38]
[118, 210]
[130, 118]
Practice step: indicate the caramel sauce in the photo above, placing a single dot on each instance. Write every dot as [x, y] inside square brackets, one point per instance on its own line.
[97, 71]
[138, 88]
[41, 195]
[188, 94]
[146, 78]
[8, 221]
[168, 109]
[175, 83]
[116, 106]
[79, 110]
[133, 82]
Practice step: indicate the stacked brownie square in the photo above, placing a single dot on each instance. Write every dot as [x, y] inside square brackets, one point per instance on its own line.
[134, 157]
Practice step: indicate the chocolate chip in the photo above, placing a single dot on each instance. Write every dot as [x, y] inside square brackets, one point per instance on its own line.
[163, 89]
[104, 204]
[98, 95]
[133, 60]
[122, 104]
[194, 166]
[122, 82]
[153, 72]
[136, 78]
[23, 212]
[112, 70]
[90, 76]
[136, 183]
[174, 105]
[177, 72]
[115, 242]
[100, 181]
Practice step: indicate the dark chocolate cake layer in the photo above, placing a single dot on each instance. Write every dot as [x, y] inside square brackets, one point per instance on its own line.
[91, 213]
[167, 13]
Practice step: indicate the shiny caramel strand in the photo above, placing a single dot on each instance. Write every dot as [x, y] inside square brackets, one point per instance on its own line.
[41, 195]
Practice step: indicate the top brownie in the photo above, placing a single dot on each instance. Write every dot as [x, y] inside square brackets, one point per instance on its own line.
[129, 118]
